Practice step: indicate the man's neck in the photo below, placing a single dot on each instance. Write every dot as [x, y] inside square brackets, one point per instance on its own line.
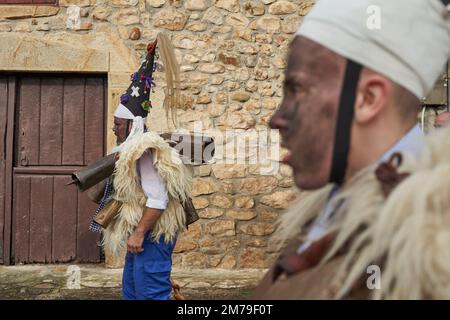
[371, 148]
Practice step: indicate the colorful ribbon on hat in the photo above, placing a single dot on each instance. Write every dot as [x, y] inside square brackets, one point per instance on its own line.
[134, 76]
[124, 98]
[149, 82]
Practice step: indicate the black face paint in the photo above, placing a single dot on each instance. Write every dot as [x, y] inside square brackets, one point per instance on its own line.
[292, 115]
[344, 120]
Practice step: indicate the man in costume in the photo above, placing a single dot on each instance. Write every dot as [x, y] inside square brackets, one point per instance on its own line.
[376, 194]
[152, 184]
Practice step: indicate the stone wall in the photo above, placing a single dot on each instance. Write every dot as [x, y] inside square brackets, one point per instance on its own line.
[232, 56]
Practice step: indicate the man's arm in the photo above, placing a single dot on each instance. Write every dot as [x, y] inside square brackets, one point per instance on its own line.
[148, 220]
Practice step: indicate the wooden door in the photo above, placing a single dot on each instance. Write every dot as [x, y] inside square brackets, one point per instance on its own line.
[7, 98]
[59, 127]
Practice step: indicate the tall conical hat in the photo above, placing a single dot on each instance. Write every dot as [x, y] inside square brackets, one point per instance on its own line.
[135, 102]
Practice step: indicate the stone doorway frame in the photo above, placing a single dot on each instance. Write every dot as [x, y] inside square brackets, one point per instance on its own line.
[75, 53]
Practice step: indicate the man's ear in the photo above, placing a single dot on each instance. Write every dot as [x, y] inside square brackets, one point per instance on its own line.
[372, 96]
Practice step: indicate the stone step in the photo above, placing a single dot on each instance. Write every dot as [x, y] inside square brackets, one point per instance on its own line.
[82, 281]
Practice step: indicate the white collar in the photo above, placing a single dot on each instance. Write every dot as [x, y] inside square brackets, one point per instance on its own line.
[413, 142]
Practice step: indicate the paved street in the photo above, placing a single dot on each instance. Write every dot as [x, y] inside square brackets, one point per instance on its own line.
[97, 282]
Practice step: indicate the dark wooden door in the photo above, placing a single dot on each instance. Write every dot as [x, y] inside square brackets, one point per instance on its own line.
[59, 127]
[7, 92]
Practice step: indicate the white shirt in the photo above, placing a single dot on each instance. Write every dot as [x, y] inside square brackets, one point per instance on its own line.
[154, 188]
[412, 142]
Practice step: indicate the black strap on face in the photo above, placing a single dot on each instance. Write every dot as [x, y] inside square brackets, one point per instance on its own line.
[129, 125]
[341, 146]
[445, 2]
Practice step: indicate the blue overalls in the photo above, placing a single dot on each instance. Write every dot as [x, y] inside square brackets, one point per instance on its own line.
[146, 275]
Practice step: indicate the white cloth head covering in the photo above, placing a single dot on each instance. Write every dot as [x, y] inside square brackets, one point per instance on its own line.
[410, 47]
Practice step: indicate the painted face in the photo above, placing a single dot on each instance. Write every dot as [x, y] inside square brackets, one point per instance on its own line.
[307, 115]
[121, 129]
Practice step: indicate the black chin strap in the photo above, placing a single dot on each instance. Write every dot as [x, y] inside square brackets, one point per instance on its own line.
[129, 121]
[344, 122]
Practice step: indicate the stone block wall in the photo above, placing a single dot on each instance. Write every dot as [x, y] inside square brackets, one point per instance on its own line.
[232, 55]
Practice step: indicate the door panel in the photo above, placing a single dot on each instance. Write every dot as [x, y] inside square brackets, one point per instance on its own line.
[60, 125]
[28, 132]
[7, 103]
[86, 238]
[93, 118]
[22, 189]
[73, 138]
[3, 124]
[50, 135]
[65, 205]
[41, 191]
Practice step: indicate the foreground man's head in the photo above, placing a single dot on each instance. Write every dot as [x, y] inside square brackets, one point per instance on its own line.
[400, 61]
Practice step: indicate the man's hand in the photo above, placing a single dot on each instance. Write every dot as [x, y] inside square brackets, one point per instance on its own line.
[135, 241]
[148, 220]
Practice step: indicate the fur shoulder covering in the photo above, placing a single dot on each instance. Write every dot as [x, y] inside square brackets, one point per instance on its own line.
[178, 181]
[407, 234]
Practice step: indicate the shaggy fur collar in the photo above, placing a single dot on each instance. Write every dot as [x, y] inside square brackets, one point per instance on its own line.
[407, 234]
[128, 190]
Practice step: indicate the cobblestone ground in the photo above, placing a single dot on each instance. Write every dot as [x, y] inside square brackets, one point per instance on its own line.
[97, 282]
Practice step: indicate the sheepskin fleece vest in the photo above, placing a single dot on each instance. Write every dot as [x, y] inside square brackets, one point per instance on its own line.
[128, 190]
[406, 234]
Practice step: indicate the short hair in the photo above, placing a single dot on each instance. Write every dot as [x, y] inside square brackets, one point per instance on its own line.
[407, 104]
